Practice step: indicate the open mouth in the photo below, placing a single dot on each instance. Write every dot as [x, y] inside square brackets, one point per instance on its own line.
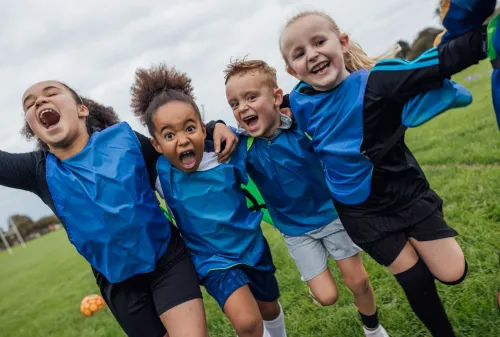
[251, 121]
[49, 118]
[188, 159]
[320, 67]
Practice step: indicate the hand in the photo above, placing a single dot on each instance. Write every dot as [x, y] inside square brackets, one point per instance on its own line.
[223, 134]
[287, 112]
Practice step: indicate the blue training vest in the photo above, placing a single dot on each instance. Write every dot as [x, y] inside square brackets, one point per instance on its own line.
[211, 213]
[104, 198]
[290, 178]
[334, 120]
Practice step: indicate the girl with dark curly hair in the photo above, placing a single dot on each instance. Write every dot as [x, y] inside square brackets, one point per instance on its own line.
[92, 171]
[229, 251]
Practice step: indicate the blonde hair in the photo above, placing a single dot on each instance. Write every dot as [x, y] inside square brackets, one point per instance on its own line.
[355, 59]
[242, 67]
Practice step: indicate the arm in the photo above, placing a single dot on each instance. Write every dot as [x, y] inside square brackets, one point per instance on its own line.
[225, 140]
[400, 80]
[18, 170]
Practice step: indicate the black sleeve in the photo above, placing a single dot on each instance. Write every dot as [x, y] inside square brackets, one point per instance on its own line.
[400, 80]
[210, 127]
[18, 170]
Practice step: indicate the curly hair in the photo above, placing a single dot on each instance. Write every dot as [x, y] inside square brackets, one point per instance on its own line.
[100, 117]
[158, 86]
[242, 67]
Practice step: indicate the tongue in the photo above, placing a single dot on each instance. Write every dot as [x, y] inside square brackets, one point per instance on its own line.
[50, 118]
[188, 160]
[251, 123]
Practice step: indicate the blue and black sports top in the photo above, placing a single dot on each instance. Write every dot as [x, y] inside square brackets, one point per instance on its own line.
[353, 123]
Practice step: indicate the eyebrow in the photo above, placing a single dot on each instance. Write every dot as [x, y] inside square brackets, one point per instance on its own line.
[43, 90]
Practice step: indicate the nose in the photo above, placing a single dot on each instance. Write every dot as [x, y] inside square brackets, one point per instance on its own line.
[183, 140]
[312, 55]
[40, 101]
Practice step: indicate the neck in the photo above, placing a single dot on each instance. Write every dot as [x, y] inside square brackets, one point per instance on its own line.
[73, 149]
[274, 126]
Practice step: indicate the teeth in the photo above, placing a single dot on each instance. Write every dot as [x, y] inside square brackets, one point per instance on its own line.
[249, 117]
[319, 67]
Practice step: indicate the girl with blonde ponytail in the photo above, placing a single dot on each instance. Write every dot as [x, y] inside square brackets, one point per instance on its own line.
[356, 110]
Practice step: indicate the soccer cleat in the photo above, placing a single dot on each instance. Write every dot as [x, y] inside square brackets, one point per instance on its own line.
[378, 332]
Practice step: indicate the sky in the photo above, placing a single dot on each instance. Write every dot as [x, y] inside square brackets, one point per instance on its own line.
[95, 46]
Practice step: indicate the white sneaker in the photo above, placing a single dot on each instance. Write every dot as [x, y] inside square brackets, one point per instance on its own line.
[379, 332]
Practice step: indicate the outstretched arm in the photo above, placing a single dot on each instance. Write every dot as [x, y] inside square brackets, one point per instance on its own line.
[18, 170]
[400, 80]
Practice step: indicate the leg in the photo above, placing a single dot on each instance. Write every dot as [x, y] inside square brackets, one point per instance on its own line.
[229, 287]
[356, 279]
[243, 312]
[434, 242]
[132, 305]
[265, 290]
[186, 319]
[311, 259]
[176, 292]
[444, 258]
[323, 288]
[420, 289]
[346, 254]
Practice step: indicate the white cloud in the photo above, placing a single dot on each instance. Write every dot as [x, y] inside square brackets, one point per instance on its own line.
[95, 47]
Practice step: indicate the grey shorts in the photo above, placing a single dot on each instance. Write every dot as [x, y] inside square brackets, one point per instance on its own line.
[311, 250]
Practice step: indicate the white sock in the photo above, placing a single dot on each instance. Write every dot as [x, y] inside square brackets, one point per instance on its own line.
[276, 327]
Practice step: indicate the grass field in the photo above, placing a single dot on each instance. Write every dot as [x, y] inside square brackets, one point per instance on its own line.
[41, 286]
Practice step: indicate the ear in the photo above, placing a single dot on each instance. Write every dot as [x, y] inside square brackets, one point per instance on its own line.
[344, 43]
[278, 97]
[292, 72]
[203, 129]
[83, 111]
[156, 145]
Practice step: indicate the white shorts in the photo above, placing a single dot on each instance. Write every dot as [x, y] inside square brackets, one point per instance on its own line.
[311, 250]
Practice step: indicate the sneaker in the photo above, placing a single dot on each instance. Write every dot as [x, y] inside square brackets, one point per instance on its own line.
[378, 332]
[315, 301]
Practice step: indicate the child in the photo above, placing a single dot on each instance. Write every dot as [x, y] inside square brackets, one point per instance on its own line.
[229, 252]
[354, 117]
[290, 178]
[93, 173]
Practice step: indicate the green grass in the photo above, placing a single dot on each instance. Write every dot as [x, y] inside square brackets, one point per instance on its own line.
[41, 286]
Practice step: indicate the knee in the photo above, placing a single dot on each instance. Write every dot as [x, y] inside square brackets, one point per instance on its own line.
[358, 284]
[325, 297]
[456, 276]
[249, 325]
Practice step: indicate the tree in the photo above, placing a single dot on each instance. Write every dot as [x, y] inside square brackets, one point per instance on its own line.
[43, 223]
[24, 224]
[405, 49]
[423, 42]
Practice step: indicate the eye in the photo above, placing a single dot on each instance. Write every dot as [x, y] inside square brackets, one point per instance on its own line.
[169, 136]
[190, 129]
[28, 106]
[252, 97]
[319, 42]
[298, 55]
[233, 105]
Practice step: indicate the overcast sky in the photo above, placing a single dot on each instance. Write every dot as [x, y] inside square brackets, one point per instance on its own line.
[95, 46]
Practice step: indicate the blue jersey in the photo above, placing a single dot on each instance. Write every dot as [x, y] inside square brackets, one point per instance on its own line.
[104, 197]
[353, 124]
[290, 178]
[211, 212]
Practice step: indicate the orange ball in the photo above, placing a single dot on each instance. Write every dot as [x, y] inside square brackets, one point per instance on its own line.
[91, 304]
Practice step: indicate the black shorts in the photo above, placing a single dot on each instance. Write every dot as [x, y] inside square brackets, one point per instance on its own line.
[383, 237]
[138, 301]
